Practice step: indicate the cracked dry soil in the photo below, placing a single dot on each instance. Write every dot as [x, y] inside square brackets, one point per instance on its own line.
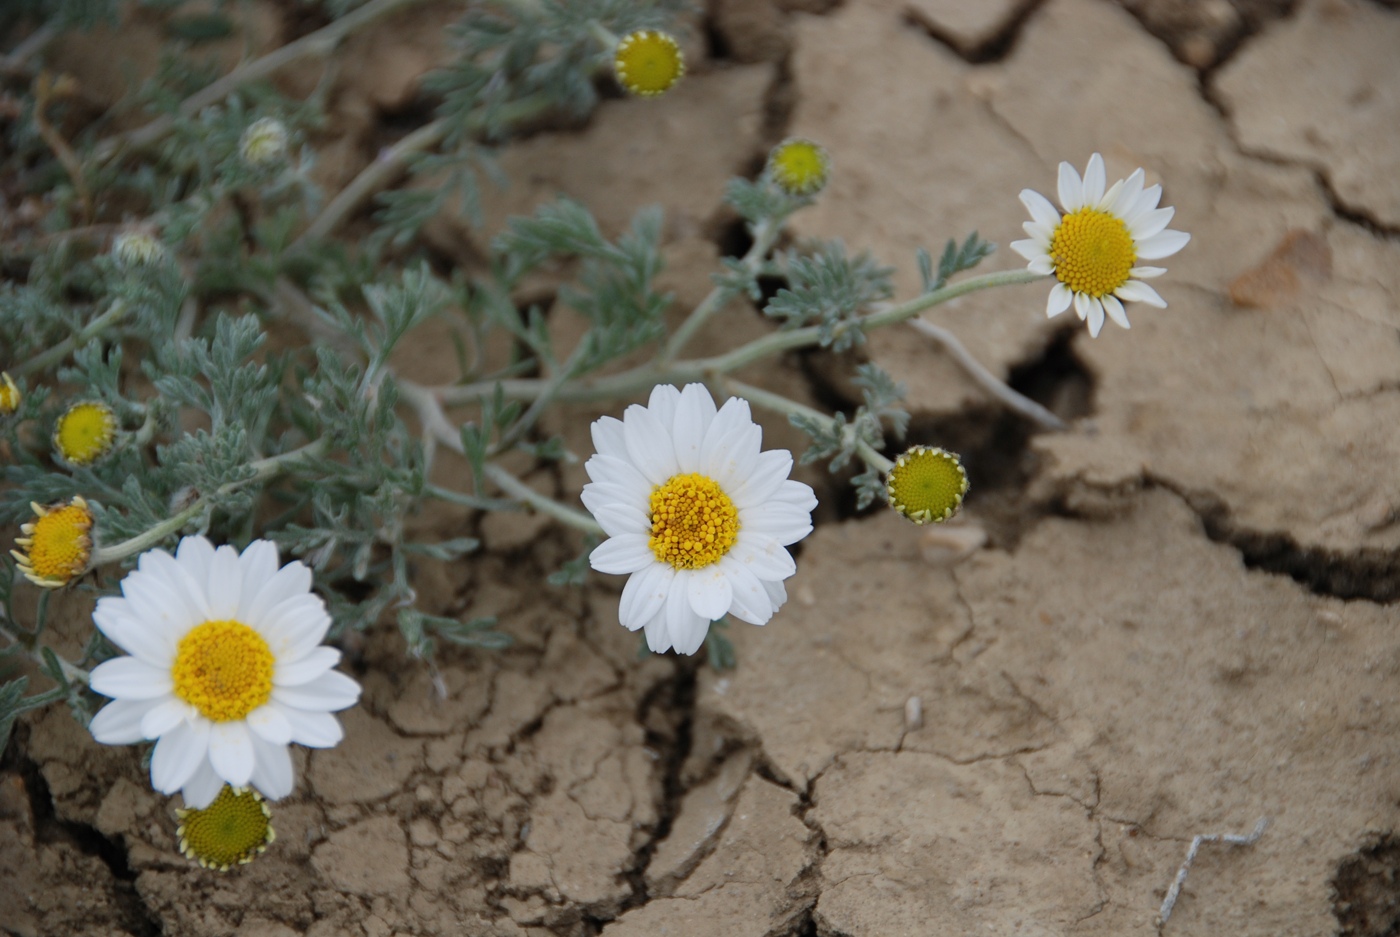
[1175, 618]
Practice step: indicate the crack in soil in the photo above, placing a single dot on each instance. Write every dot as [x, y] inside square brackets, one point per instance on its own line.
[994, 48]
[137, 919]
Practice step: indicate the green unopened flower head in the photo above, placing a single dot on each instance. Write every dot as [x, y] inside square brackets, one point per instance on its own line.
[264, 142]
[799, 166]
[137, 249]
[85, 432]
[648, 62]
[927, 484]
[232, 830]
[10, 397]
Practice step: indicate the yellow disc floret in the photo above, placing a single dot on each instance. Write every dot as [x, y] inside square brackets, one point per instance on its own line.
[648, 62]
[1093, 252]
[10, 397]
[57, 545]
[85, 432]
[232, 830]
[693, 522]
[799, 167]
[927, 484]
[223, 669]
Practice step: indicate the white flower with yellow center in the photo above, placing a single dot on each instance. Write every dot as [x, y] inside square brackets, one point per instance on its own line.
[1094, 249]
[226, 669]
[695, 514]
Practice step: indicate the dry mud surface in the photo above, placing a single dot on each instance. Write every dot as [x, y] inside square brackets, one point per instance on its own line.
[1175, 618]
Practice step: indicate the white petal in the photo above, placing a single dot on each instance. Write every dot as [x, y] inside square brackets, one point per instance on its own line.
[1146, 273]
[1071, 189]
[330, 692]
[1040, 208]
[730, 451]
[291, 580]
[1030, 250]
[767, 477]
[644, 595]
[231, 752]
[1150, 223]
[1162, 244]
[194, 603]
[308, 668]
[196, 554]
[1060, 298]
[159, 605]
[154, 645]
[782, 522]
[1146, 201]
[1042, 265]
[1127, 195]
[225, 584]
[201, 789]
[178, 754]
[618, 520]
[662, 404]
[272, 769]
[130, 678]
[751, 602]
[658, 633]
[1114, 308]
[314, 729]
[608, 439]
[295, 626]
[1094, 180]
[695, 411]
[709, 591]
[683, 622]
[1133, 291]
[1041, 234]
[777, 593]
[764, 556]
[796, 494]
[259, 564]
[119, 722]
[1081, 305]
[604, 493]
[269, 722]
[622, 555]
[1095, 317]
[615, 471]
[165, 716]
[649, 445]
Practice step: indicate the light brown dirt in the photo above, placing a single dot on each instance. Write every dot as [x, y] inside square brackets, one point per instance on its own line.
[1174, 618]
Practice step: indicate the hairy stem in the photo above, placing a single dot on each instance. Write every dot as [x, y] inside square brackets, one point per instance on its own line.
[986, 379]
[780, 404]
[764, 236]
[51, 356]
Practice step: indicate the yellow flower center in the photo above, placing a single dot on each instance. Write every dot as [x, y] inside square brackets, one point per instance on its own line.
[10, 396]
[1093, 252]
[693, 522]
[230, 831]
[223, 669]
[927, 484]
[58, 544]
[648, 62]
[800, 167]
[85, 432]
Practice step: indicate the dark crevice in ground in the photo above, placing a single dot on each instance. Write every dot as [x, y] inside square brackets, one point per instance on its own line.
[1367, 573]
[667, 713]
[1205, 36]
[136, 918]
[1367, 902]
[995, 48]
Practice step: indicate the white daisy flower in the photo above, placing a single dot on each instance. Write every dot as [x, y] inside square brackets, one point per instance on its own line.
[226, 669]
[695, 514]
[1093, 250]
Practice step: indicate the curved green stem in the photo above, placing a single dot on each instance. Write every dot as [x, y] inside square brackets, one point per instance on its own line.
[522, 492]
[764, 236]
[263, 469]
[51, 356]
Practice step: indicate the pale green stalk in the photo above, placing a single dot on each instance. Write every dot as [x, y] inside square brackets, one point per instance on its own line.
[780, 404]
[764, 237]
[51, 356]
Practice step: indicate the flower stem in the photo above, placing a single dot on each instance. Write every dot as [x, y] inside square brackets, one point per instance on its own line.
[989, 381]
[764, 236]
[263, 469]
[780, 404]
[51, 356]
[523, 492]
[321, 42]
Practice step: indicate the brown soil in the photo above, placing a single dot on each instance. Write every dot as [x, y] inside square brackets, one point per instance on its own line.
[1173, 619]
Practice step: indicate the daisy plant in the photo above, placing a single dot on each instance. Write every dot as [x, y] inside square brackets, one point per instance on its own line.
[207, 420]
